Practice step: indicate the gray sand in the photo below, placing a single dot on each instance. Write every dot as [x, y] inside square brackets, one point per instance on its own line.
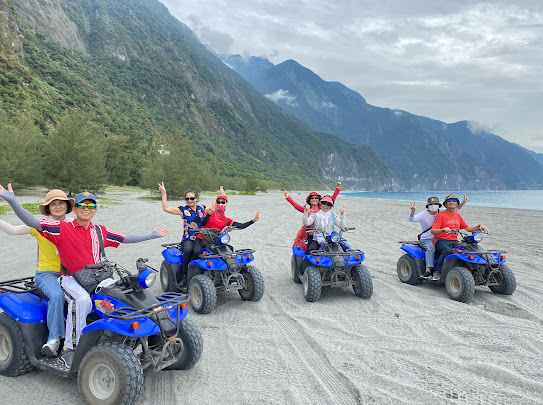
[404, 345]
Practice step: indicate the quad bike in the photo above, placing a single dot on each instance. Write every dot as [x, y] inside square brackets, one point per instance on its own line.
[128, 330]
[468, 266]
[331, 266]
[219, 268]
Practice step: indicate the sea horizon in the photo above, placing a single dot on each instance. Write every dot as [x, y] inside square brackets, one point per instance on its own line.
[520, 199]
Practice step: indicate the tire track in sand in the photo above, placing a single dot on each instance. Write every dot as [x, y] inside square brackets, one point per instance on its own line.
[339, 388]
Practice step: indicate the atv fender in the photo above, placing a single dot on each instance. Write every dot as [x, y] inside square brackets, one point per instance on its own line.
[24, 307]
[173, 256]
[465, 258]
[210, 264]
[414, 251]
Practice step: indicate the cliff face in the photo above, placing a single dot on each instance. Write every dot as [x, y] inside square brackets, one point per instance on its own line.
[144, 74]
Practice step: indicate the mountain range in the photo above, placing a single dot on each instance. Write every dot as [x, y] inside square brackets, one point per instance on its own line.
[423, 153]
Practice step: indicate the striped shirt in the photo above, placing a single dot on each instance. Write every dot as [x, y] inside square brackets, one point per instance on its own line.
[76, 245]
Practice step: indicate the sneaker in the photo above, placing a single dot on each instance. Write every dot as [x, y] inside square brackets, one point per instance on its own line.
[426, 274]
[67, 357]
[51, 347]
[437, 275]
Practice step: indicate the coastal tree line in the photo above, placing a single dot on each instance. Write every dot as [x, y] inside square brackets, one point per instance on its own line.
[77, 154]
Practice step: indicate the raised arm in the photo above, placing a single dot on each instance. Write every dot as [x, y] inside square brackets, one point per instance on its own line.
[14, 230]
[308, 220]
[340, 222]
[337, 190]
[412, 214]
[248, 223]
[23, 214]
[141, 238]
[165, 207]
[292, 202]
[464, 200]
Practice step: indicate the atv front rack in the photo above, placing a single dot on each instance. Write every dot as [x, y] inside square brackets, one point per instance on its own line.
[349, 252]
[239, 252]
[410, 242]
[129, 314]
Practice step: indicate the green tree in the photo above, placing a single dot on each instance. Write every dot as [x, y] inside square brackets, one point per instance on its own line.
[74, 156]
[20, 145]
[118, 160]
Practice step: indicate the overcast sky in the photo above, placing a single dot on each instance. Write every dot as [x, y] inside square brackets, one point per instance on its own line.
[447, 60]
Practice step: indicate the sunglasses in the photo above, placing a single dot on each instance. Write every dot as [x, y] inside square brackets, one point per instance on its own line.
[90, 206]
[314, 198]
[452, 200]
[221, 202]
[326, 203]
[190, 198]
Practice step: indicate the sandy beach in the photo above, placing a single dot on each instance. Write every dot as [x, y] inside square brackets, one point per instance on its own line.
[405, 344]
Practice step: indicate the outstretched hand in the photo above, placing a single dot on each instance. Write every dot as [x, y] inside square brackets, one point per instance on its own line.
[342, 210]
[308, 208]
[221, 190]
[257, 216]
[338, 184]
[465, 200]
[2, 189]
[163, 232]
[161, 188]
[413, 206]
[211, 209]
[285, 193]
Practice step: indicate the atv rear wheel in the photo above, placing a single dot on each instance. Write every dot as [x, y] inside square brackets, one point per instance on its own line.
[192, 346]
[203, 296]
[460, 284]
[408, 271]
[363, 286]
[311, 281]
[508, 284]
[13, 358]
[110, 373]
[167, 277]
[253, 286]
[295, 270]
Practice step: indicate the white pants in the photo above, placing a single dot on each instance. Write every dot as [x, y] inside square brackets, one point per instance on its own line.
[79, 306]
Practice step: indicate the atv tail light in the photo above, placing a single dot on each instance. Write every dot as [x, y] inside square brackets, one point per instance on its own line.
[134, 325]
[249, 256]
[502, 257]
[318, 259]
[184, 305]
[210, 263]
[358, 257]
[471, 257]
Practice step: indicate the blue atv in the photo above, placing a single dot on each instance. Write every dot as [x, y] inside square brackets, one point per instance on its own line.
[331, 266]
[468, 266]
[128, 330]
[219, 268]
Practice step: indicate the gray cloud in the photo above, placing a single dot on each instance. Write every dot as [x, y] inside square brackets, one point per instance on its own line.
[478, 61]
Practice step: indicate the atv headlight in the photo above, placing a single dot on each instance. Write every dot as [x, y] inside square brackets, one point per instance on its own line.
[476, 237]
[224, 238]
[335, 238]
[147, 278]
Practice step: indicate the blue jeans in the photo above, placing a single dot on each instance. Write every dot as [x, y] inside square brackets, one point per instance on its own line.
[429, 251]
[443, 249]
[47, 281]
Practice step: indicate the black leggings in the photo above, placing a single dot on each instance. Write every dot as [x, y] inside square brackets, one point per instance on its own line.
[314, 245]
[191, 250]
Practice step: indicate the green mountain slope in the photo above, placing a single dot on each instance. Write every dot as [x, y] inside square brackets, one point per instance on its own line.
[144, 74]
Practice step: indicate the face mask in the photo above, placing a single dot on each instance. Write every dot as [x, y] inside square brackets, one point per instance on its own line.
[221, 207]
[433, 207]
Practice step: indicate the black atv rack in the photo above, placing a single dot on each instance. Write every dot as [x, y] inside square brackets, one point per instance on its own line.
[349, 252]
[18, 285]
[410, 242]
[128, 314]
[239, 252]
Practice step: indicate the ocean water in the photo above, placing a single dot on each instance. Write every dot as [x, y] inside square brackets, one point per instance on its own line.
[522, 199]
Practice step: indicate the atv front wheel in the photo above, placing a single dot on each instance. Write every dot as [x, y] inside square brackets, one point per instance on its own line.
[167, 277]
[362, 284]
[203, 296]
[253, 286]
[508, 284]
[408, 271]
[13, 358]
[311, 281]
[295, 270]
[460, 284]
[110, 373]
[192, 346]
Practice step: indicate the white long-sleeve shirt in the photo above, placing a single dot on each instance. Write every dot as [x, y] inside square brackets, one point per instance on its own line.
[323, 220]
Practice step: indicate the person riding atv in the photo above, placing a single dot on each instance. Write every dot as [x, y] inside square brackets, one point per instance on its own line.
[127, 331]
[465, 267]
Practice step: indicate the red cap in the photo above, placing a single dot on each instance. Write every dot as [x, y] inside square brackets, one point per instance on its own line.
[310, 195]
[222, 196]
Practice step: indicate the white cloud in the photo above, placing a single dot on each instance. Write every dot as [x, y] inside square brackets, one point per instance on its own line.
[326, 104]
[282, 95]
